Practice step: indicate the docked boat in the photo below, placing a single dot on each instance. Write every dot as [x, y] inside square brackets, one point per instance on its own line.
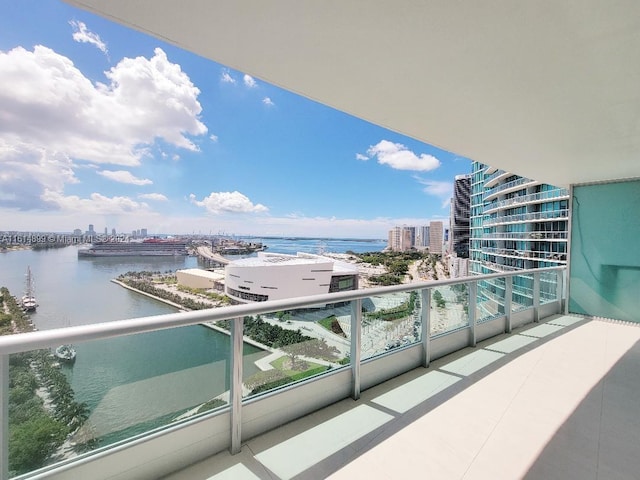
[28, 300]
[66, 353]
[149, 247]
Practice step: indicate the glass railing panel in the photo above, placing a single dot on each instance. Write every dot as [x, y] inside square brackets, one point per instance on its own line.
[449, 308]
[522, 294]
[76, 398]
[390, 321]
[490, 302]
[295, 345]
[548, 287]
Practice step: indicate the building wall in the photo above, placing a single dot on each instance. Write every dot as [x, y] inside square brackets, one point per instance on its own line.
[275, 281]
[605, 268]
[200, 279]
[422, 236]
[460, 216]
[516, 223]
[435, 237]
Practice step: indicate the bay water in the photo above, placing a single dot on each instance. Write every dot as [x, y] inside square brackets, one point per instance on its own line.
[134, 383]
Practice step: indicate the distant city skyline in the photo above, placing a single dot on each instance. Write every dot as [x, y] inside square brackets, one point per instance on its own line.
[105, 125]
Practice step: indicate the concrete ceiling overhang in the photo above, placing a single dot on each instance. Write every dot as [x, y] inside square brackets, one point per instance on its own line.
[546, 89]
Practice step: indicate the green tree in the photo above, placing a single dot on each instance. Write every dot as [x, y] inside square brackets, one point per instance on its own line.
[33, 441]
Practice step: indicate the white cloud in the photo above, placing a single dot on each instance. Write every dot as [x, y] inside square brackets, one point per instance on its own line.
[213, 138]
[53, 119]
[228, 202]
[96, 204]
[268, 102]
[157, 197]
[400, 157]
[249, 82]
[26, 171]
[359, 156]
[123, 176]
[47, 102]
[82, 34]
[440, 189]
[226, 77]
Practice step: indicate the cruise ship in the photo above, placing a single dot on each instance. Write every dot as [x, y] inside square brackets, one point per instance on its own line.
[147, 248]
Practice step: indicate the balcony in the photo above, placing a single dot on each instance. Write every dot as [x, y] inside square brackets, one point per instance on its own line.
[530, 236]
[507, 187]
[378, 346]
[526, 199]
[490, 180]
[515, 253]
[528, 217]
[549, 401]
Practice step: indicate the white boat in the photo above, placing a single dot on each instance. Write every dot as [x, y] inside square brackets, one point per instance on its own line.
[28, 300]
[66, 353]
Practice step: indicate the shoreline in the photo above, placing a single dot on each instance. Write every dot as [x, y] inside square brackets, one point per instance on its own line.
[163, 300]
[181, 308]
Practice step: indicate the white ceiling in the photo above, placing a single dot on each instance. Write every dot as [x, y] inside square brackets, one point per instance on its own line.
[546, 89]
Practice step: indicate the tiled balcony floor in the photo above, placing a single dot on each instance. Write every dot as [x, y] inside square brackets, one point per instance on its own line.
[557, 400]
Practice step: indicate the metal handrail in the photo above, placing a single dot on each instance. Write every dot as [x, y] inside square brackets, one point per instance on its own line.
[23, 342]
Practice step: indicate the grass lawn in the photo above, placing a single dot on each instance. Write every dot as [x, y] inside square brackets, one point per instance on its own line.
[284, 365]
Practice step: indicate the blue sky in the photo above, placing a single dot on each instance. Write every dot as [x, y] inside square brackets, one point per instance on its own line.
[104, 125]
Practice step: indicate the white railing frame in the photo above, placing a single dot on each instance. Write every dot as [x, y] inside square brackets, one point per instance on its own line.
[24, 342]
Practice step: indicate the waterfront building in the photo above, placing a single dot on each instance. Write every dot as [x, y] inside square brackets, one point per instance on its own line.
[275, 276]
[436, 233]
[198, 278]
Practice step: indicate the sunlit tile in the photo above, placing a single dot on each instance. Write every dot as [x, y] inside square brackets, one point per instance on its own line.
[472, 362]
[511, 344]
[411, 394]
[301, 452]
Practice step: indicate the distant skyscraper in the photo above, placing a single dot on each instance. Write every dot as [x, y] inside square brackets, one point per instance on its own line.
[401, 239]
[422, 237]
[91, 231]
[460, 215]
[77, 231]
[435, 237]
[106, 231]
[113, 232]
[143, 232]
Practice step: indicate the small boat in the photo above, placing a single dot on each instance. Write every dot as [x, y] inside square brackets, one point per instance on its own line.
[66, 353]
[28, 300]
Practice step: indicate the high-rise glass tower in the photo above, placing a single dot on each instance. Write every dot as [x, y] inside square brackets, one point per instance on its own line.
[516, 223]
[460, 215]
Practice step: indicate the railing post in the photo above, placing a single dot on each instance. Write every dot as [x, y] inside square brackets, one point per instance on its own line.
[4, 417]
[536, 297]
[473, 300]
[356, 338]
[235, 394]
[425, 325]
[559, 289]
[508, 296]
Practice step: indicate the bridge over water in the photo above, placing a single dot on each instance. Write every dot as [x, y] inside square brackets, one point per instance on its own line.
[207, 254]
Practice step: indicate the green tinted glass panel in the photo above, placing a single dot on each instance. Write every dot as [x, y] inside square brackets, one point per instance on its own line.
[605, 258]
